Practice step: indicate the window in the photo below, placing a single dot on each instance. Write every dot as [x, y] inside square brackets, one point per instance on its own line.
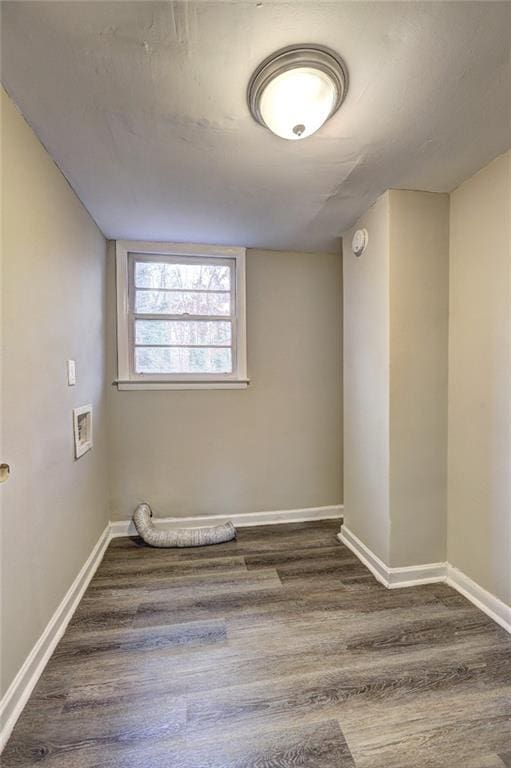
[180, 316]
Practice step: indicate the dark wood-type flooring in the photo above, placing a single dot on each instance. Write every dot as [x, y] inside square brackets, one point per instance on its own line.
[279, 650]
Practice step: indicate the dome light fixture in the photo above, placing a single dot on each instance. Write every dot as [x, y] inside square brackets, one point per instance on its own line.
[297, 89]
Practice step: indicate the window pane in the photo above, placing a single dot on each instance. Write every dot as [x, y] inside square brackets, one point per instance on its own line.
[209, 277]
[154, 302]
[182, 360]
[183, 332]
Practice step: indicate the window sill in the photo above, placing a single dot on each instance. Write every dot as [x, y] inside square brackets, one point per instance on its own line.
[181, 385]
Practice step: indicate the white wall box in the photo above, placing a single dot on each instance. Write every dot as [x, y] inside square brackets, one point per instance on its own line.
[82, 422]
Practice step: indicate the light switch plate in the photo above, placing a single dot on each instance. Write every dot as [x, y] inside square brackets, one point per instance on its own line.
[71, 373]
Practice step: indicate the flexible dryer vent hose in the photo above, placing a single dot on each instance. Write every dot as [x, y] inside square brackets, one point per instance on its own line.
[185, 537]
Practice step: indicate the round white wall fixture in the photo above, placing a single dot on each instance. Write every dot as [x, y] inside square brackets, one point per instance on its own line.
[359, 242]
[297, 89]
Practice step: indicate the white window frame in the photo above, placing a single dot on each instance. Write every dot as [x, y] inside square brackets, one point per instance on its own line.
[127, 378]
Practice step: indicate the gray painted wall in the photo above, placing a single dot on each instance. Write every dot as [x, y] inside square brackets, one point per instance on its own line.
[395, 378]
[275, 445]
[366, 382]
[419, 297]
[53, 507]
[479, 495]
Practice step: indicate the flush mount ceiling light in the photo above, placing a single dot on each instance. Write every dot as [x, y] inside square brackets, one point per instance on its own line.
[295, 90]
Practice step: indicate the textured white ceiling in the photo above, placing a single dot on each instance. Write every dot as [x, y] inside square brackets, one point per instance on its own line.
[142, 105]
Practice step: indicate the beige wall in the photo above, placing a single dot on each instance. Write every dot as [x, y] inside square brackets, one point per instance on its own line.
[419, 298]
[395, 378]
[366, 382]
[53, 507]
[479, 466]
[275, 445]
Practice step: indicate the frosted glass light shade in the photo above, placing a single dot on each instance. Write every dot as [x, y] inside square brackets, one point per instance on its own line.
[296, 103]
[297, 89]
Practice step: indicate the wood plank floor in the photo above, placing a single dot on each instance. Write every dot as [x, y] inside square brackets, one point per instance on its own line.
[278, 650]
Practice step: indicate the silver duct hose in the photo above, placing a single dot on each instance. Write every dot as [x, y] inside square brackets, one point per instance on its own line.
[186, 537]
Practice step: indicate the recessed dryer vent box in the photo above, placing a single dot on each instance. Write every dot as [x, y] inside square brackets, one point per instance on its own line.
[82, 421]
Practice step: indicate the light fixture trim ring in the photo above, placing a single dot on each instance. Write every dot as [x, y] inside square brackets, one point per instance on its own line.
[293, 57]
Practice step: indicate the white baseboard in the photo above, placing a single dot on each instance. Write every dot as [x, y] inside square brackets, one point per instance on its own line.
[23, 684]
[430, 573]
[392, 578]
[309, 514]
[412, 575]
[490, 604]
[365, 555]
